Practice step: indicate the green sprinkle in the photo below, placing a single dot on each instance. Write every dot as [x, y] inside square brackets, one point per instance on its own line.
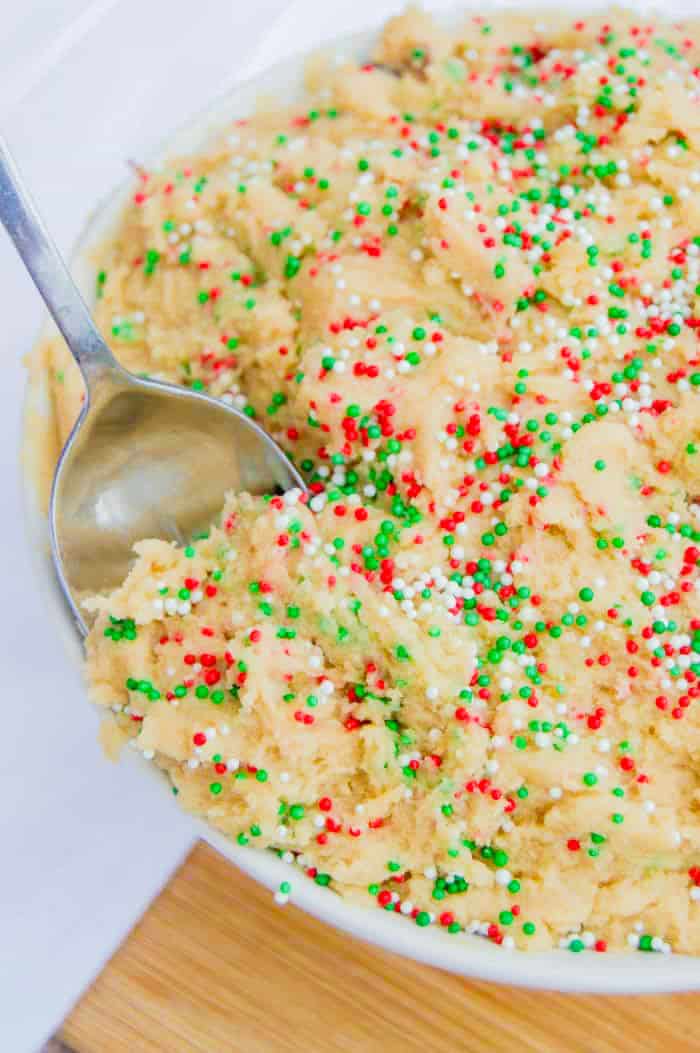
[291, 267]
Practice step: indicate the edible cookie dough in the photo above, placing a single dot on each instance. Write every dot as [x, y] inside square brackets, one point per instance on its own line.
[460, 284]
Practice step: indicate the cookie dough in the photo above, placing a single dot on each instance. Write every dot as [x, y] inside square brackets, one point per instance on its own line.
[460, 285]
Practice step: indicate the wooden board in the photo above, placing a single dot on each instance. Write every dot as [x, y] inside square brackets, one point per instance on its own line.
[216, 967]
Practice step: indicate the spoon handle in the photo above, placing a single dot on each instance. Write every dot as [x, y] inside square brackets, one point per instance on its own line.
[51, 277]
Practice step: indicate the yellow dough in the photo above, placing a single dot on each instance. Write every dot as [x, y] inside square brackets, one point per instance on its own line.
[461, 286]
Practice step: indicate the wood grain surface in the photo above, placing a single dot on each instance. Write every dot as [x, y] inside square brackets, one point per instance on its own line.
[216, 967]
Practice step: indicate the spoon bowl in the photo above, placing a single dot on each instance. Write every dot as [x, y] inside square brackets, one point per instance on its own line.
[148, 459]
[144, 458]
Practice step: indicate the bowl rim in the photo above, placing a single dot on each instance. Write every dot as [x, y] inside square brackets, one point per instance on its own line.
[556, 970]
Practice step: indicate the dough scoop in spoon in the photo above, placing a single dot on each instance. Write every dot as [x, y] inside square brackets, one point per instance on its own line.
[144, 458]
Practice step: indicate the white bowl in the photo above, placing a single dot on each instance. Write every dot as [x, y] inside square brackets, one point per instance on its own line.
[467, 955]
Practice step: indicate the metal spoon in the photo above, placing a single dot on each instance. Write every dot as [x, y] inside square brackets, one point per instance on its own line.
[145, 458]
